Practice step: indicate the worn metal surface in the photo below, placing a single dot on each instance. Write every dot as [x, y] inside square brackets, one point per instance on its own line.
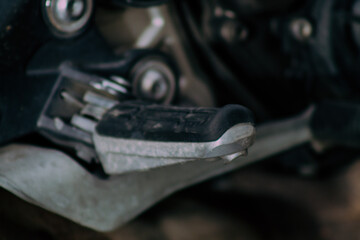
[124, 155]
[153, 32]
[53, 181]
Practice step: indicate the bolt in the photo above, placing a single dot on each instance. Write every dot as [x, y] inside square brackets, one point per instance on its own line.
[233, 31]
[68, 17]
[69, 10]
[301, 29]
[154, 85]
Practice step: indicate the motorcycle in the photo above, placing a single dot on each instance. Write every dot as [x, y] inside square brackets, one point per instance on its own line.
[108, 107]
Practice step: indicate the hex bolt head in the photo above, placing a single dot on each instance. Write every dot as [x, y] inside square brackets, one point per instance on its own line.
[154, 85]
[154, 80]
[69, 10]
[67, 17]
[301, 29]
[233, 31]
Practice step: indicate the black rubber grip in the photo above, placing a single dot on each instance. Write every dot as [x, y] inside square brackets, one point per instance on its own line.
[174, 124]
[337, 123]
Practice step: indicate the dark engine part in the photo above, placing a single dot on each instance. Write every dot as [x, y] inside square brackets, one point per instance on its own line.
[138, 3]
[26, 93]
[303, 51]
[346, 40]
[22, 31]
[285, 58]
[67, 18]
[322, 38]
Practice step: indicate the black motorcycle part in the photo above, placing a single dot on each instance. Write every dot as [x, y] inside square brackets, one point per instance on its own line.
[171, 124]
[138, 3]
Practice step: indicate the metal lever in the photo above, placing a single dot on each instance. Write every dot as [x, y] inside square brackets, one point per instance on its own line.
[105, 205]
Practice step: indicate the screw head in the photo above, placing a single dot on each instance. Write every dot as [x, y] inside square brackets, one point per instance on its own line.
[154, 85]
[301, 29]
[233, 31]
[67, 17]
[154, 80]
[69, 10]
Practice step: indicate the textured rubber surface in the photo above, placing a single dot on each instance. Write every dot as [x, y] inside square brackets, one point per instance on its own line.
[165, 123]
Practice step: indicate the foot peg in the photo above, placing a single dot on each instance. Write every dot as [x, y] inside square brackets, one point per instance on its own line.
[137, 136]
[88, 114]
